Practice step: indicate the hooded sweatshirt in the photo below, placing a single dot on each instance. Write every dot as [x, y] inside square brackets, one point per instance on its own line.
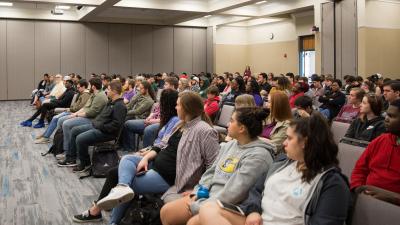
[211, 106]
[235, 171]
[379, 165]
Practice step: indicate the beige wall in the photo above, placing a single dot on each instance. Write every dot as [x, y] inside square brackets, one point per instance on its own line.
[379, 52]
[269, 57]
[230, 58]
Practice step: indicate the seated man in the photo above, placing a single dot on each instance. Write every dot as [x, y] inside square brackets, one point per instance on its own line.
[304, 107]
[332, 101]
[379, 165]
[83, 97]
[105, 127]
[351, 111]
[63, 102]
[84, 116]
[391, 92]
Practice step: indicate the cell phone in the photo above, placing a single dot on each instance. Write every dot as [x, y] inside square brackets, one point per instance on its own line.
[230, 207]
[141, 173]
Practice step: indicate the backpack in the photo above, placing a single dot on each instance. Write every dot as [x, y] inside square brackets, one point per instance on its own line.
[58, 141]
[104, 158]
[143, 210]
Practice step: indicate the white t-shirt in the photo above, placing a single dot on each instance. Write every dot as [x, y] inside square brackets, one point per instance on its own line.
[285, 197]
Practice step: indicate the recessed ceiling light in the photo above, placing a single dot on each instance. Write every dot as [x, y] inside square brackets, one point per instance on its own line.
[260, 2]
[63, 7]
[206, 16]
[6, 4]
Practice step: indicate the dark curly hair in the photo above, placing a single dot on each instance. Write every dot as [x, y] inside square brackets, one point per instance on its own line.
[167, 105]
[320, 151]
[251, 118]
[253, 87]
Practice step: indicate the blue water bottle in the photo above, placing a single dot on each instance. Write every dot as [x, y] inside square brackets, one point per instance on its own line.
[202, 192]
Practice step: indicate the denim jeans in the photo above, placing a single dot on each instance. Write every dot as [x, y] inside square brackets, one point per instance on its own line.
[53, 125]
[150, 183]
[67, 128]
[136, 127]
[84, 136]
[325, 112]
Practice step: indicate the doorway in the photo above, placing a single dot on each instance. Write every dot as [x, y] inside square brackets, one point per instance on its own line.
[307, 55]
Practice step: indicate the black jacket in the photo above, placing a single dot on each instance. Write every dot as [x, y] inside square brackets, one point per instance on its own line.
[65, 99]
[266, 87]
[42, 85]
[366, 130]
[333, 101]
[329, 204]
[111, 118]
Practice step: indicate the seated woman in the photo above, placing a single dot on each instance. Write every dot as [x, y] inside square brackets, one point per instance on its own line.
[239, 164]
[237, 88]
[274, 131]
[370, 124]
[253, 89]
[172, 167]
[306, 188]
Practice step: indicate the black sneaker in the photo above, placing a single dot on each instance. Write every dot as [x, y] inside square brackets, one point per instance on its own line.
[67, 163]
[85, 217]
[81, 168]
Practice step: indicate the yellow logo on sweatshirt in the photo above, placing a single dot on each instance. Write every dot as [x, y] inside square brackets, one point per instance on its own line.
[229, 165]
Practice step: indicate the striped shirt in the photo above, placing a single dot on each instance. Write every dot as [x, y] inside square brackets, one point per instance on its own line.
[197, 151]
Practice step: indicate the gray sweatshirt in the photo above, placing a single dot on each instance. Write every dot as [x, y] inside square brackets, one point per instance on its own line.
[235, 171]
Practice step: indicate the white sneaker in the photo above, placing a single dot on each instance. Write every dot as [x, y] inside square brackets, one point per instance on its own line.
[39, 136]
[119, 194]
[42, 140]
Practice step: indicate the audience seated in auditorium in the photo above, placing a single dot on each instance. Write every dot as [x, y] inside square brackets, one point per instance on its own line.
[253, 89]
[148, 127]
[351, 111]
[211, 104]
[204, 84]
[91, 110]
[298, 90]
[41, 87]
[370, 124]
[238, 166]
[105, 127]
[130, 91]
[379, 165]
[228, 87]
[140, 105]
[237, 88]
[194, 84]
[332, 101]
[306, 188]
[221, 83]
[183, 85]
[262, 80]
[316, 91]
[303, 107]
[56, 91]
[169, 120]
[176, 168]
[244, 100]
[106, 80]
[391, 92]
[284, 84]
[368, 87]
[56, 122]
[63, 101]
[276, 124]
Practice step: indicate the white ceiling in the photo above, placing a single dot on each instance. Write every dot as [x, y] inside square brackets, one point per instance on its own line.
[160, 12]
